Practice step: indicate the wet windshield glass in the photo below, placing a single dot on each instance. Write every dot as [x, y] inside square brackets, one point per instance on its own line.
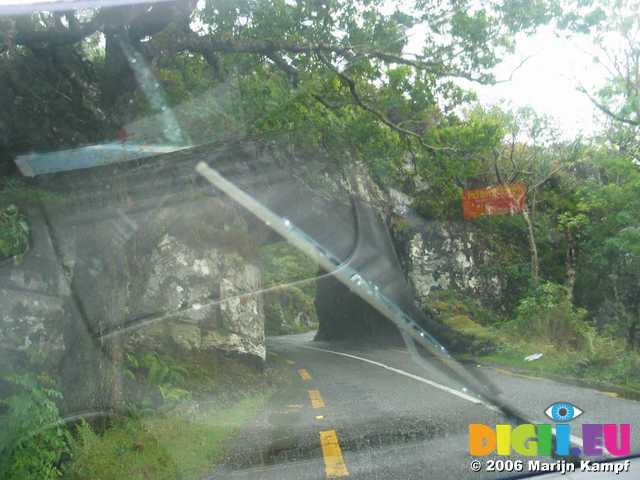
[318, 239]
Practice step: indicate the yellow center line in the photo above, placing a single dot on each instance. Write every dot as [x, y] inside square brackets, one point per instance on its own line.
[610, 394]
[304, 374]
[316, 399]
[334, 465]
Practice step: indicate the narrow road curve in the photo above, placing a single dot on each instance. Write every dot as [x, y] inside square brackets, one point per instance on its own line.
[358, 411]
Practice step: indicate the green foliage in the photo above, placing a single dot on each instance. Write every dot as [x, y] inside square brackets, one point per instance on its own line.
[160, 372]
[294, 274]
[33, 439]
[605, 222]
[155, 369]
[470, 323]
[602, 363]
[126, 450]
[289, 310]
[14, 232]
[547, 314]
[252, 67]
[170, 446]
[282, 264]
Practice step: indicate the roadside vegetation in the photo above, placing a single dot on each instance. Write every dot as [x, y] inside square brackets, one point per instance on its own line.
[180, 418]
[547, 337]
[289, 276]
[174, 445]
[14, 232]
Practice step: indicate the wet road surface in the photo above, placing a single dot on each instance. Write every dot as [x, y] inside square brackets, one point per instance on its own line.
[377, 413]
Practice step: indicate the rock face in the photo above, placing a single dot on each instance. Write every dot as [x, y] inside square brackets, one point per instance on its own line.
[140, 257]
[446, 256]
[430, 256]
[200, 290]
[149, 256]
[146, 255]
[32, 292]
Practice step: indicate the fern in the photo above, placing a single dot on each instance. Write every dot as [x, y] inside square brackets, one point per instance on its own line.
[33, 438]
[160, 372]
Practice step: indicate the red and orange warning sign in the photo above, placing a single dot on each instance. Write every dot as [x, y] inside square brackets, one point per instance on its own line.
[496, 200]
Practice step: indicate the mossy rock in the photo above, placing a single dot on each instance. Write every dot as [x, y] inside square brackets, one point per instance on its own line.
[468, 323]
[467, 336]
[452, 302]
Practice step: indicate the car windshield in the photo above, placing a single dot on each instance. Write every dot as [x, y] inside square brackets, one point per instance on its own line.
[308, 239]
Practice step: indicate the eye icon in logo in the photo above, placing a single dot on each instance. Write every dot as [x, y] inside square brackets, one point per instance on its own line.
[562, 412]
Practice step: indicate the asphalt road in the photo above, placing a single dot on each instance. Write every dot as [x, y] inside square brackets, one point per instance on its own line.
[378, 413]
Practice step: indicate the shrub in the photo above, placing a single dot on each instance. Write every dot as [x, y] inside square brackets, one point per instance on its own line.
[33, 439]
[548, 314]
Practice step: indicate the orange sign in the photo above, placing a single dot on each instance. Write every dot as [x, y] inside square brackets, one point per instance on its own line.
[493, 200]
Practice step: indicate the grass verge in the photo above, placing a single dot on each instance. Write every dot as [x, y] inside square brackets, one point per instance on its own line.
[618, 375]
[167, 447]
[597, 360]
[183, 443]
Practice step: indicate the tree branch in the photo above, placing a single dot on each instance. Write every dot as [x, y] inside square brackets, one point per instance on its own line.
[607, 111]
[351, 85]
[282, 64]
[75, 33]
[202, 43]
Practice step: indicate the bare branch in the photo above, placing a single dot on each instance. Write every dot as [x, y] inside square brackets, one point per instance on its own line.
[323, 102]
[548, 177]
[513, 72]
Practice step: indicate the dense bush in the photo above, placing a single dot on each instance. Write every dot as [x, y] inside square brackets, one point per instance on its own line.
[33, 439]
[547, 313]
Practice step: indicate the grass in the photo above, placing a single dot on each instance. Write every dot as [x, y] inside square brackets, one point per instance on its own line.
[186, 441]
[599, 360]
[172, 446]
[610, 367]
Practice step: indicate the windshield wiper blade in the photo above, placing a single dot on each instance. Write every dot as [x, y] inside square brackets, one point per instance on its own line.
[371, 293]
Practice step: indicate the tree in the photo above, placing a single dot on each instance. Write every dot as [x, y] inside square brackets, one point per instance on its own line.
[312, 56]
[605, 220]
[614, 28]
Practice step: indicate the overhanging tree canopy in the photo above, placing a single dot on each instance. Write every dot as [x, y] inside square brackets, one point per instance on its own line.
[338, 59]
